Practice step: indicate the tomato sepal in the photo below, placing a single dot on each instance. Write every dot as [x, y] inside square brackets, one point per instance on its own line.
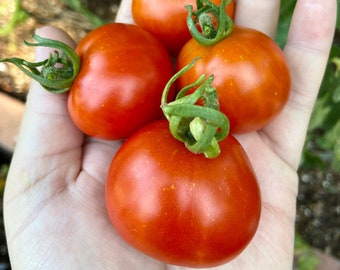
[199, 127]
[208, 34]
[56, 73]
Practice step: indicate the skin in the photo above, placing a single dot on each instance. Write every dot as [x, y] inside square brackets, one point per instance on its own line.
[54, 206]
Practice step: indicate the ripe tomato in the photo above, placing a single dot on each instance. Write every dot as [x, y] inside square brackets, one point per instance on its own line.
[178, 207]
[119, 87]
[251, 76]
[167, 20]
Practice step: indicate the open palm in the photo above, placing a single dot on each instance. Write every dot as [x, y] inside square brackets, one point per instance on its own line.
[54, 205]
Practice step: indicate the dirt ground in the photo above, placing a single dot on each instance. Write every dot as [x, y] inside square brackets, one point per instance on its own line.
[318, 214]
[318, 210]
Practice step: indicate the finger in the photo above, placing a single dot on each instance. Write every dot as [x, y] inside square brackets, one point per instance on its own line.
[307, 51]
[124, 13]
[262, 15]
[46, 128]
[46, 117]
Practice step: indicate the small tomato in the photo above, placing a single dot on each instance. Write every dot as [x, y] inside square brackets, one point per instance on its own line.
[182, 208]
[119, 87]
[251, 76]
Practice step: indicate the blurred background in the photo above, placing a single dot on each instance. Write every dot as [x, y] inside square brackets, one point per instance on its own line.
[318, 204]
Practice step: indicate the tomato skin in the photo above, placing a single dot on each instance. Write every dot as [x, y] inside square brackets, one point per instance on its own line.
[166, 19]
[118, 90]
[251, 76]
[182, 208]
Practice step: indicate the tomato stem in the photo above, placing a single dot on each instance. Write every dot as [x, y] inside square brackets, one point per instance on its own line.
[199, 127]
[205, 16]
[57, 73]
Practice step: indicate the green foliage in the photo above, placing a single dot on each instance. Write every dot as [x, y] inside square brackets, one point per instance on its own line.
[3, 175]
[3, 171]
[19, 16]
[324, 128]
[286, 13]
[305, 256]
[338, 16]
[79, 7]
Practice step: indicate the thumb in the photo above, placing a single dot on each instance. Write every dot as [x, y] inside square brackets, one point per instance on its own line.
[46, 128]
[124, 13]
[52, 33]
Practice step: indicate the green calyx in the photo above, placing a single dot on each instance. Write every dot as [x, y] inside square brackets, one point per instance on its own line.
[57, 73]
[206, 15]
[199, 127]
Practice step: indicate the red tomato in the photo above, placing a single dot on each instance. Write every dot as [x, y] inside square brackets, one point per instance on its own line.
[182, 208]
[119, 87]
[251, 76]
[166, 19]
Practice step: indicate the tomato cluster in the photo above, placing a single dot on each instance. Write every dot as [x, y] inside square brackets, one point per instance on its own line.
[182, 208]
[175, 205]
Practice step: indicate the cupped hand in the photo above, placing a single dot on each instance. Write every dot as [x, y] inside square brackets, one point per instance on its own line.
[54, 206]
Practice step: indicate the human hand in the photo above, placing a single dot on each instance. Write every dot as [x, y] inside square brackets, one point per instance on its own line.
[54, 204]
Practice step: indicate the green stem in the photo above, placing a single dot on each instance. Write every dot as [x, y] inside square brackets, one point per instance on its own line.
[199, 127]
[20, 15]
[78, 6]
[209, 34]
[57, 73]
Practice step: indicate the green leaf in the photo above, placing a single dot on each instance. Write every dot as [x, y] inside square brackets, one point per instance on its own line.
[286, 13]
[306, 257]
[336, 149]
[320, 113]
[336, 94]
[311, 160]
[338, 16]
[327, 108]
